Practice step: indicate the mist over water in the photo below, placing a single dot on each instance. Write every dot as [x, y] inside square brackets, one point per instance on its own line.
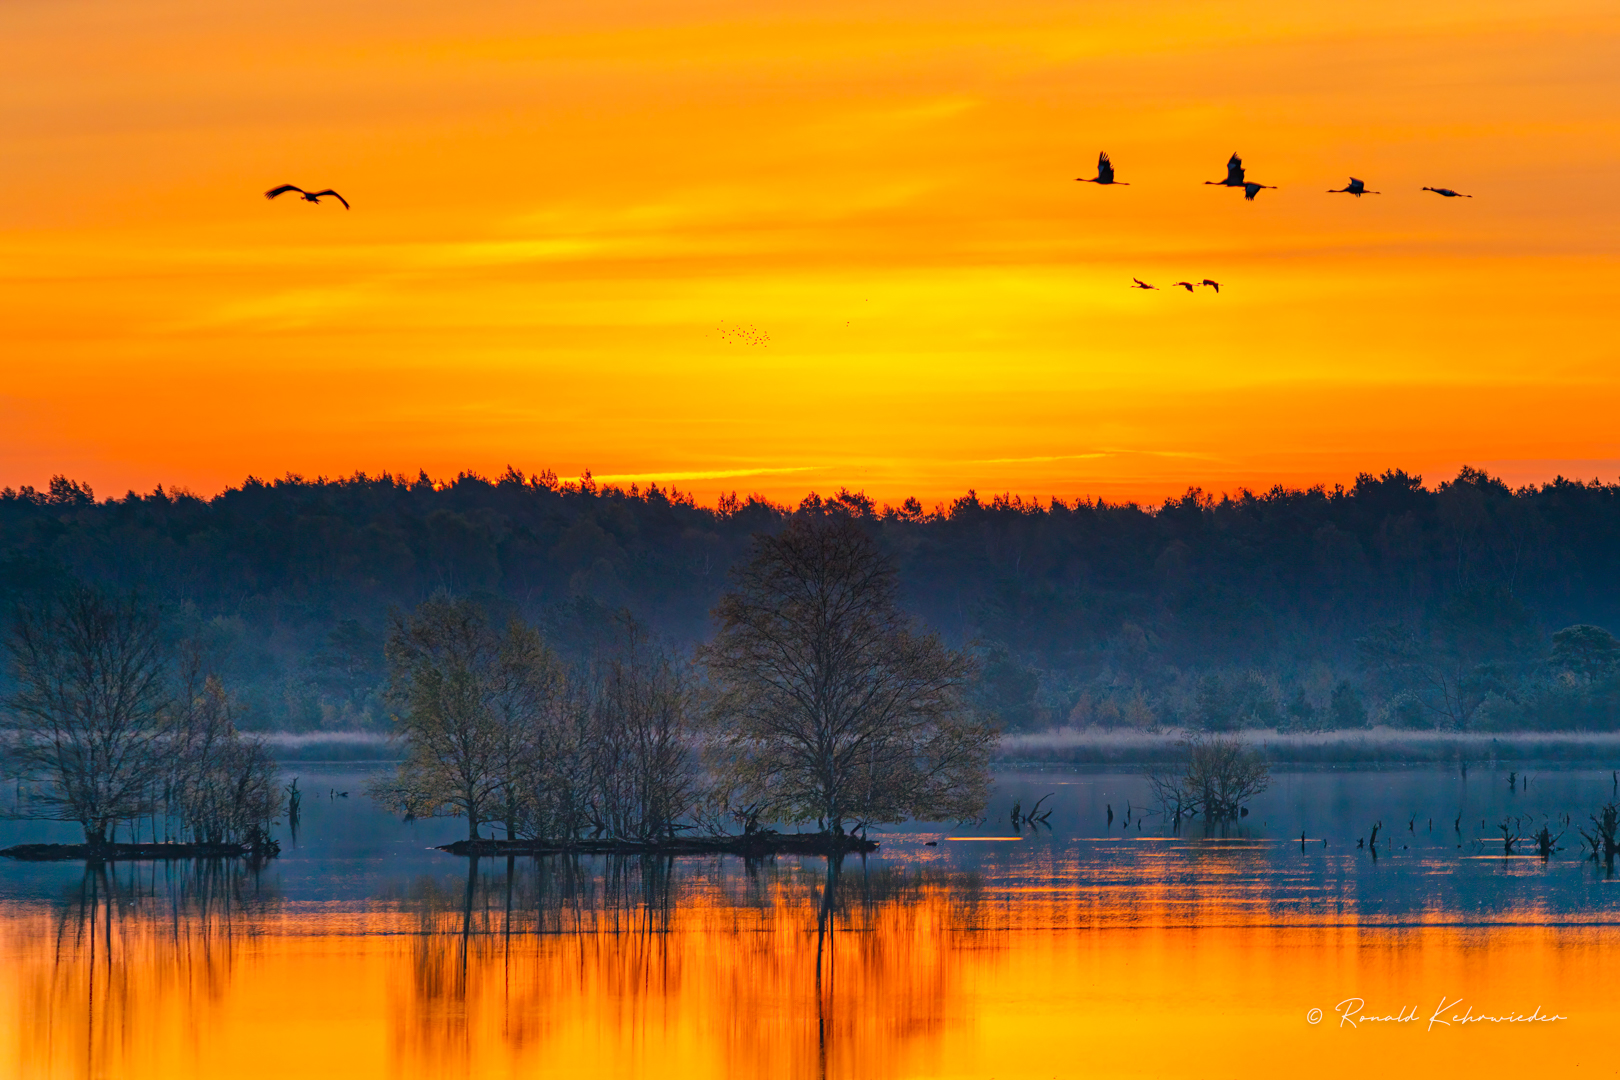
[1059, 952]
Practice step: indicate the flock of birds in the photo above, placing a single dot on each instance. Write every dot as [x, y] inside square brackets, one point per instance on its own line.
[1236, 177]
[741, 334]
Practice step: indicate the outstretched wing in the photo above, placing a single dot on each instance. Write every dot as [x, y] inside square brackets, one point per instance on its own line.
[282, 190]
[1234, 170]
[1105, 169]
[1250, 190]
[335, 195]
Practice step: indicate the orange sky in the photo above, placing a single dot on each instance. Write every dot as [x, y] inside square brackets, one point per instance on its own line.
[561, 209]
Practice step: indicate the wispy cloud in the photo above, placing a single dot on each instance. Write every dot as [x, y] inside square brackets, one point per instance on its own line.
[667, 477]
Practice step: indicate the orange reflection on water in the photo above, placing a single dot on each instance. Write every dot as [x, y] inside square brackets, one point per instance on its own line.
[909, 972]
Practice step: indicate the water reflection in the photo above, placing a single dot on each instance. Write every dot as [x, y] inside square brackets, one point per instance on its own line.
[795, 969]
[1062, 953]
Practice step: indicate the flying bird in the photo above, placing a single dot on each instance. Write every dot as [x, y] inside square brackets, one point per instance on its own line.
[1235, 178]
[309, 196]
[1234, 173]
[1212, 284]
[1140, 284]
[1354, 187]
[1105, 173]
[1448, 193]
[1185, 285]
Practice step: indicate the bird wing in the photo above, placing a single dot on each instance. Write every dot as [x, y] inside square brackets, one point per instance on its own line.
[1234, 170]
[335, 195]
[1105, 169]
[282, 190]
[1250, 191]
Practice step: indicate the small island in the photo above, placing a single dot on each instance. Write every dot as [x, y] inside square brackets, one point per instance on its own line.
[749, 845]
[126, 852]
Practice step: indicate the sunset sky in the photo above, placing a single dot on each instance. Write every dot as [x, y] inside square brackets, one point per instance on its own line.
[773, 246]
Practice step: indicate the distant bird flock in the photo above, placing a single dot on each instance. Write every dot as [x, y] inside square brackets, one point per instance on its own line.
[1237, 178]
[741, 334]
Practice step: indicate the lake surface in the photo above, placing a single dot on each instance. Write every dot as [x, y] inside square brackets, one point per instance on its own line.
[1088, 949]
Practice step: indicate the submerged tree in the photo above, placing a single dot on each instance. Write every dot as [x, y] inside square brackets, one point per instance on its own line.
[832, 707]
[1214, 781]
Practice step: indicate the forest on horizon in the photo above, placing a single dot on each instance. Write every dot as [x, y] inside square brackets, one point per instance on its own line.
[1464, 606]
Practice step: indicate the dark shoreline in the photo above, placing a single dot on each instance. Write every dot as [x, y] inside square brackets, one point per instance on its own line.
[756, 845]
[123, 852]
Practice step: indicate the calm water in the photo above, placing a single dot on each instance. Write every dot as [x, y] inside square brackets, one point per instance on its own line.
[1086, 949]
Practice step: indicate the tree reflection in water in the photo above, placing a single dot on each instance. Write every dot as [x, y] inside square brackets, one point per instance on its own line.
[792, 963]
[130, 940]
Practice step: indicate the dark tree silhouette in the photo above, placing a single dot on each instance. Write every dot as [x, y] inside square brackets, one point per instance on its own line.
[833, 707]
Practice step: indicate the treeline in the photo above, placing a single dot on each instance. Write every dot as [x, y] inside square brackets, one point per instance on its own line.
[1298, 609]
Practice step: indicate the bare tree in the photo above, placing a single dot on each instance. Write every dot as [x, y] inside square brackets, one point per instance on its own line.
[1214, 781]
[91, 713]
[642, 738]
[222, 787]
[832, 706]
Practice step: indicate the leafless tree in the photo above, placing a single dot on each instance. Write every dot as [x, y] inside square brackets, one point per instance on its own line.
[832, 707]
[221, 786]
[92, 709]
[1214, 779]
[642, 739]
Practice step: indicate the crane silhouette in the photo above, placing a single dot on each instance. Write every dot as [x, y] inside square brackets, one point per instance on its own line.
[1234, 173]
[1184, 284]
[1212, 284]
[1235, 178]
[1448, 193]
[1354, 187]
[309, 196]
[1105, 173]
[1140, 284]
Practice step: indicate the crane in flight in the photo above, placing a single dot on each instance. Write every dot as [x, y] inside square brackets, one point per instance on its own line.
[1184, 284]
[1105, 173]
[1448, 193]
[1234, 173]
[309, 196]
[1140, 284]
[1212, 284]
[1354, 187]
[1235, 178]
